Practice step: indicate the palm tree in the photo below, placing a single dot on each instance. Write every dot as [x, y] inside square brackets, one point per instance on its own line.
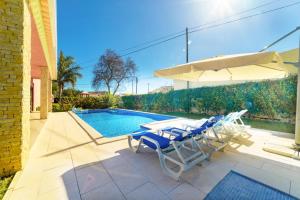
[67, 72]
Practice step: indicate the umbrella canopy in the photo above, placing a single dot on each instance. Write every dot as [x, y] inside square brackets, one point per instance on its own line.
[237, 67]
[242, 67]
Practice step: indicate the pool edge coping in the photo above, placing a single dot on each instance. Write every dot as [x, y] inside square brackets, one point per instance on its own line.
[146, 125]
[93, 134]
[281, 134]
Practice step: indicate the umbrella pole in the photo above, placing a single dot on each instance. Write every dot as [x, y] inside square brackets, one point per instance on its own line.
[297, 125]
[292, 151]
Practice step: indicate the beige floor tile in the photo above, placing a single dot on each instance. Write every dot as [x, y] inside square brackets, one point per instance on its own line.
[24, 193]
[186, 191]
[61, 193]
[268, 177]
[83, 156]
[29, 178]
[204, 181]
[295, 189]
[107, 192]
[114, 161]
[56, 178]
[218, 169]
[127, 178]
[106, 169]
[112, 147]
[91, 177]
[56, 159]
[296, 168]
[154, 173]
[283, 171]
[147, 191]
[244, 158]
[280, 163]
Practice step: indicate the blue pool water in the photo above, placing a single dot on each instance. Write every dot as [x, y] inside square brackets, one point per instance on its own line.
[116, 122]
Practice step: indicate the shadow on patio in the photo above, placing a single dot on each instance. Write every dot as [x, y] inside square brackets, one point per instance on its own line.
[127, 175]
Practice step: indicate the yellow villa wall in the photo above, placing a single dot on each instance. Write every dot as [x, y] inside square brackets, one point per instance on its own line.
[15, 37]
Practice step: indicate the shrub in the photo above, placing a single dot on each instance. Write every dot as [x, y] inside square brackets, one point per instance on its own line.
[130, 102]
[56, 107]
[4, 184]
[104, 101]
[114, 101]
[66, 107]
[266, 99]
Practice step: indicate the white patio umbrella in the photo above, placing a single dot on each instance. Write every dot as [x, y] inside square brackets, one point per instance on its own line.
[237, 67]
[240, 67]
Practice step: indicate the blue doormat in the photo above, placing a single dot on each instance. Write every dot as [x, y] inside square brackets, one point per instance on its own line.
[238, 186]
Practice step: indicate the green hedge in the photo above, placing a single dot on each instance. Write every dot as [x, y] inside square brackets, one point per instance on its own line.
[104, 101]
[266, 99]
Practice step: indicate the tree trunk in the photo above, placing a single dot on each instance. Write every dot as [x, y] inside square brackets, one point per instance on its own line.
[108, 89]
[59, 92]
[60, 88]
[118, 85]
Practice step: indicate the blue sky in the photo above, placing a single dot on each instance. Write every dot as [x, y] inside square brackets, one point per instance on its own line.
[87, 28]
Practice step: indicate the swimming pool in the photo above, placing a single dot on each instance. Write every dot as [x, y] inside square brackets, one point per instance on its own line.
[116, 122]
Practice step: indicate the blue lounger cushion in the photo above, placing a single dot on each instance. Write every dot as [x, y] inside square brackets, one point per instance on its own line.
[177, 132]
[217, 118]
[162, 141]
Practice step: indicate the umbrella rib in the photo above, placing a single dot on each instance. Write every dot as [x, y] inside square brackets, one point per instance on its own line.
[270, 68]
[291, 63]
[200, 75]
[229, 73]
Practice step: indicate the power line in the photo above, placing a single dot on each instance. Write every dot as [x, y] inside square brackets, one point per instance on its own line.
[246, 17]
[137, 45]
[214, 25]
[237, 14]
[171, 35]
[154, 44]
[151, 41]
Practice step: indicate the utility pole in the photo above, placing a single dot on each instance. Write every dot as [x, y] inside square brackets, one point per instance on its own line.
[187, 51]
[187, 60]
[148, 87]
[136, 84]
[297, 127]
[187, 44]
[132, 86]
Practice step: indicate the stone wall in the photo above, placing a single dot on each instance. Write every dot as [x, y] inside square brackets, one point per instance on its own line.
[15, 38]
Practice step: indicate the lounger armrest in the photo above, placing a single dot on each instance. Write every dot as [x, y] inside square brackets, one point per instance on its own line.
[151, 140]
[168, 129]
[175, 132]
[191, 127]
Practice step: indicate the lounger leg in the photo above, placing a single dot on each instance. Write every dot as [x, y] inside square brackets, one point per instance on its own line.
[215, 134]
[223, 143]
[134, 149]
[168, 171]
[207, 155]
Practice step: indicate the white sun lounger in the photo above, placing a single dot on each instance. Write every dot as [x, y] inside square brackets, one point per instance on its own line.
[172, 150]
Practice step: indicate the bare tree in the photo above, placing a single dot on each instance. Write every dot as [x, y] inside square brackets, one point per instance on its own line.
[111, 71]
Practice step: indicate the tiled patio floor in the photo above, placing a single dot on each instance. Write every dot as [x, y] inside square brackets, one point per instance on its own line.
[66, 163]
